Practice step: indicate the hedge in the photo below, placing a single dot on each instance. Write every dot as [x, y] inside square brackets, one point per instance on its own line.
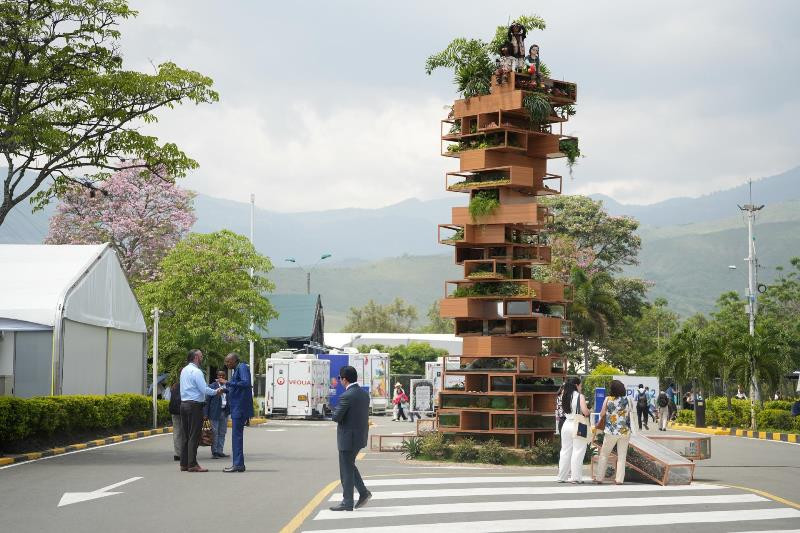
[775, 419]
[42, 417]
[783, 405]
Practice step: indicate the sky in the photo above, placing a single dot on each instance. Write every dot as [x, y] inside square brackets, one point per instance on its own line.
[326, 104]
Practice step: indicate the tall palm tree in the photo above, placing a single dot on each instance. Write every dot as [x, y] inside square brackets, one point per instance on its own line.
[694, 355]
[593, 309]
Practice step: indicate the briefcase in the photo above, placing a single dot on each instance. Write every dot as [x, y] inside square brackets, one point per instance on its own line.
[206, 434]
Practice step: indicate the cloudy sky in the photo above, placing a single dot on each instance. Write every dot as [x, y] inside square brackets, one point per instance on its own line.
[325, 104]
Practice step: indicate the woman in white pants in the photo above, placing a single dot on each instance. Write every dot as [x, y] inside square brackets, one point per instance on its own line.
[573, 448]
[617, 431]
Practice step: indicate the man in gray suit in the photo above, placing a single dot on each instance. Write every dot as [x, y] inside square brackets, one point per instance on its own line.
[352, 417]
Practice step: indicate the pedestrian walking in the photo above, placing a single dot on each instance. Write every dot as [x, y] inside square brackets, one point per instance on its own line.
[642, 409]
[574, 433]
[397, 402]
[193, 397]
[617, 431]
[175, 413]
[240, 398]
[663, 410]
[673, 408]
[651, 403]
[217, 410]
[352, 419]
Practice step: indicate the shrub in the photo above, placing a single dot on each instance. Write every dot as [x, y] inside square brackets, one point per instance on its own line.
[484, 203]
[464, 451]
[43, 417]
[796, 424]
[737, 416]
[543, 452]
[686, 416]
[774, 419]
[411, 448]
[434, 446]
[725, 419]
[492, 452]
[784, 405]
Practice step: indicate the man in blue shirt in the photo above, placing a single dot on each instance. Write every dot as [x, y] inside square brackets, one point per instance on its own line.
[217, 411]
[240, 399]
[671, 398]
[193, 397]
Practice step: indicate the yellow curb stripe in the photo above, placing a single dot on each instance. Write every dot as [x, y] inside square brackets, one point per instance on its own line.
[765, 494]
[295, 523]
[6, 461]
[58, 451]
[33, 455]
[80, 446]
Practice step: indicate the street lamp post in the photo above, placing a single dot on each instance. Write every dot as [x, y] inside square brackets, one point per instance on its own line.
[156, 315]
[308, 272]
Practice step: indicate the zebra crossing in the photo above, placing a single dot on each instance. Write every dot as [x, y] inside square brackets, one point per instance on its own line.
[515, 503]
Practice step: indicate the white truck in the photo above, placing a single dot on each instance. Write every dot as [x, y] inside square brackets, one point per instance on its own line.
[297, 385]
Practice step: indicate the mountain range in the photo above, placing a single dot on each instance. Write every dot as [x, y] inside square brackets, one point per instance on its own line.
[687, 244]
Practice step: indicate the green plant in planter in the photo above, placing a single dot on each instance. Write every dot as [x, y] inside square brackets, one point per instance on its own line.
[457, 236]
[472, 59]
[538, 106]
[484, 203]
[492, 452]
[569, 147]
[411, 448]
[434, 446]
[464, 451]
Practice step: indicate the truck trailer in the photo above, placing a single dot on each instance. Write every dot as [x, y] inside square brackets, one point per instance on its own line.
[297, 385]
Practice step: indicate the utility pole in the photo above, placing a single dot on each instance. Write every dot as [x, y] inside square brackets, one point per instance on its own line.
[252, 273]
[752, 301]
[156, 315]
[308, 282]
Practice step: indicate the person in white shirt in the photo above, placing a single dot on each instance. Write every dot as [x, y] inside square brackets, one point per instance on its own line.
[193, 397]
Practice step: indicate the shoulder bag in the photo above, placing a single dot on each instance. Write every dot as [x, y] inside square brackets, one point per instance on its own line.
[581, 422]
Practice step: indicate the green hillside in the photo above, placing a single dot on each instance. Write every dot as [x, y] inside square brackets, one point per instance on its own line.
[689, 270]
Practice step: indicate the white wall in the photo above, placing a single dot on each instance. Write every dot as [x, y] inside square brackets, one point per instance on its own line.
[125, 362]
[7, 353]
[84, 368]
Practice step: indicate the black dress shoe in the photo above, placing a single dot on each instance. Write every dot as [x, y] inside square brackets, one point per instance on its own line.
[341, 507]
[233, 469]
[214, 456]
[223, 455]
[362, 500]
[176, 457]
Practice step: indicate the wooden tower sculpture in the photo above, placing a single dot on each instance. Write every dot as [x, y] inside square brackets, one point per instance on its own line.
[504, 386]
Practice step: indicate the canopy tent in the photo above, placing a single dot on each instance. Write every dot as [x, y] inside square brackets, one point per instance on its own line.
[70, 323]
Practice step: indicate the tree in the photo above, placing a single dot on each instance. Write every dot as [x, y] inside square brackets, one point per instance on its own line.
[67, 107]
[437, 324]
[471, 59]
[208, 297]
[635, 342]
[589, 237]
[692, 354]
[593, 309]
[142, 217]
[396, 317]
[408, 358]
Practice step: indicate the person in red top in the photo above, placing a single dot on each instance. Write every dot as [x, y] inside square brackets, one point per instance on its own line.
[398, 400]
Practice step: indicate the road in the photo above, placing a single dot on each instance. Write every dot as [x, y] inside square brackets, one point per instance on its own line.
[289, 463]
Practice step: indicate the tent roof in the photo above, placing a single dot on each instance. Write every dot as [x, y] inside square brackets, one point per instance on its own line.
[296, 316]
[87, 280]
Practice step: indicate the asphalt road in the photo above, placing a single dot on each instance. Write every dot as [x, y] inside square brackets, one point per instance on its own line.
[288, 463]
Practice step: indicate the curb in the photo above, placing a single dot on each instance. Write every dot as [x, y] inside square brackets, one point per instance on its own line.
[734, 432]
[21, 458]
[32, 456]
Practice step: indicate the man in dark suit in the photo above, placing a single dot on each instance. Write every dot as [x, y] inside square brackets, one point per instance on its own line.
[352, 417]
[217, 410]
[240, 399]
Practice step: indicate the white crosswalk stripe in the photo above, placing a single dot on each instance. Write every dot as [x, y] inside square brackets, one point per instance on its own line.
[516, 503]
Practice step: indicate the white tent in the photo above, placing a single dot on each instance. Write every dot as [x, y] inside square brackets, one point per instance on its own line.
[69, 322]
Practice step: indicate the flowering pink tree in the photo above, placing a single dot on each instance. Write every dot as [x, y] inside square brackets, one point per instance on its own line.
[142, 215]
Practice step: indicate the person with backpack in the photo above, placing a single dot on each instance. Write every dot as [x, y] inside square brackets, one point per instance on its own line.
[642, 408]
[663, 410]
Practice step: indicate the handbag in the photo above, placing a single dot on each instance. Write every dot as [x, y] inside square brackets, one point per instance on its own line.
[581, 422]
[206, 433]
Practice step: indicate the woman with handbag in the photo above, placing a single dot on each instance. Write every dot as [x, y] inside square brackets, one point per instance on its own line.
[618, 429]
[574, 433]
